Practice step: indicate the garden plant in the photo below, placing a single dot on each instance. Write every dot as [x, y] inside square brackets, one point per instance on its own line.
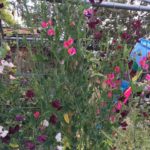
[74, 85]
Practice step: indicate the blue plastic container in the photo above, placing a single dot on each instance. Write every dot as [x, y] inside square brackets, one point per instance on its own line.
[140, 50]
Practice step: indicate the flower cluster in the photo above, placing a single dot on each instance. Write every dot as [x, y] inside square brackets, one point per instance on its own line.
[71, 50]
[46, 25]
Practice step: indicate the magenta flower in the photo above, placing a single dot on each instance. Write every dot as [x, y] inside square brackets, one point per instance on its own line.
[53, 119]
[42, 138]
[44, 24]
[29, 145]
[72, 51]
[19, 118]
[56, 104]
[119, 106]
[50, 32]
[147, 77]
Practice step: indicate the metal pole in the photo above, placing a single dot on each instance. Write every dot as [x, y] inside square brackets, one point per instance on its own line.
[122, 6]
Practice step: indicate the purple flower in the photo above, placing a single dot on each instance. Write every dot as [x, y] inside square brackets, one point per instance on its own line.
[56, 104]
[19, 118]
[6, 139]
[13, 130]
[1, 5]
[30, 145]
[41, 138]
[53, 119]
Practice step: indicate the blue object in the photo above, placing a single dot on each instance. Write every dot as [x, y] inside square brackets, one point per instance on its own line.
[124, 85]
[99, 126]
[140, 50]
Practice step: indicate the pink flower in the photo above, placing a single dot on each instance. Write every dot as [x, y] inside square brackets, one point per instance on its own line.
[143, 63]
[44, 24]
[127, 94]
[147, 77]
[50, 22]
[109, 94]
[50, 32]
[98, 111]
[68, 43]
[72, 51]
[112, 118]
[36, 114]
[111, 76]
[88, 12]
[119, 106]
[117, 69]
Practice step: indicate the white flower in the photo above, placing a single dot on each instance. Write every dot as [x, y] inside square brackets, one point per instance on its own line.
[8, 64]
[58, 137]
[59, 148]
[1, 129]
[1, 69]
[45, 123]
[3, 133]
[12, 77]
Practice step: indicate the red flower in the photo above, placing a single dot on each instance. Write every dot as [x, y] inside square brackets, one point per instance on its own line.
[124, 113]
[56, 104]
[117, 69]
[125, 36]
[119, 47]
[136, 24]
[123, 124]
[36, 114]
[29, 94]
[92, 24]
[53, 119]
